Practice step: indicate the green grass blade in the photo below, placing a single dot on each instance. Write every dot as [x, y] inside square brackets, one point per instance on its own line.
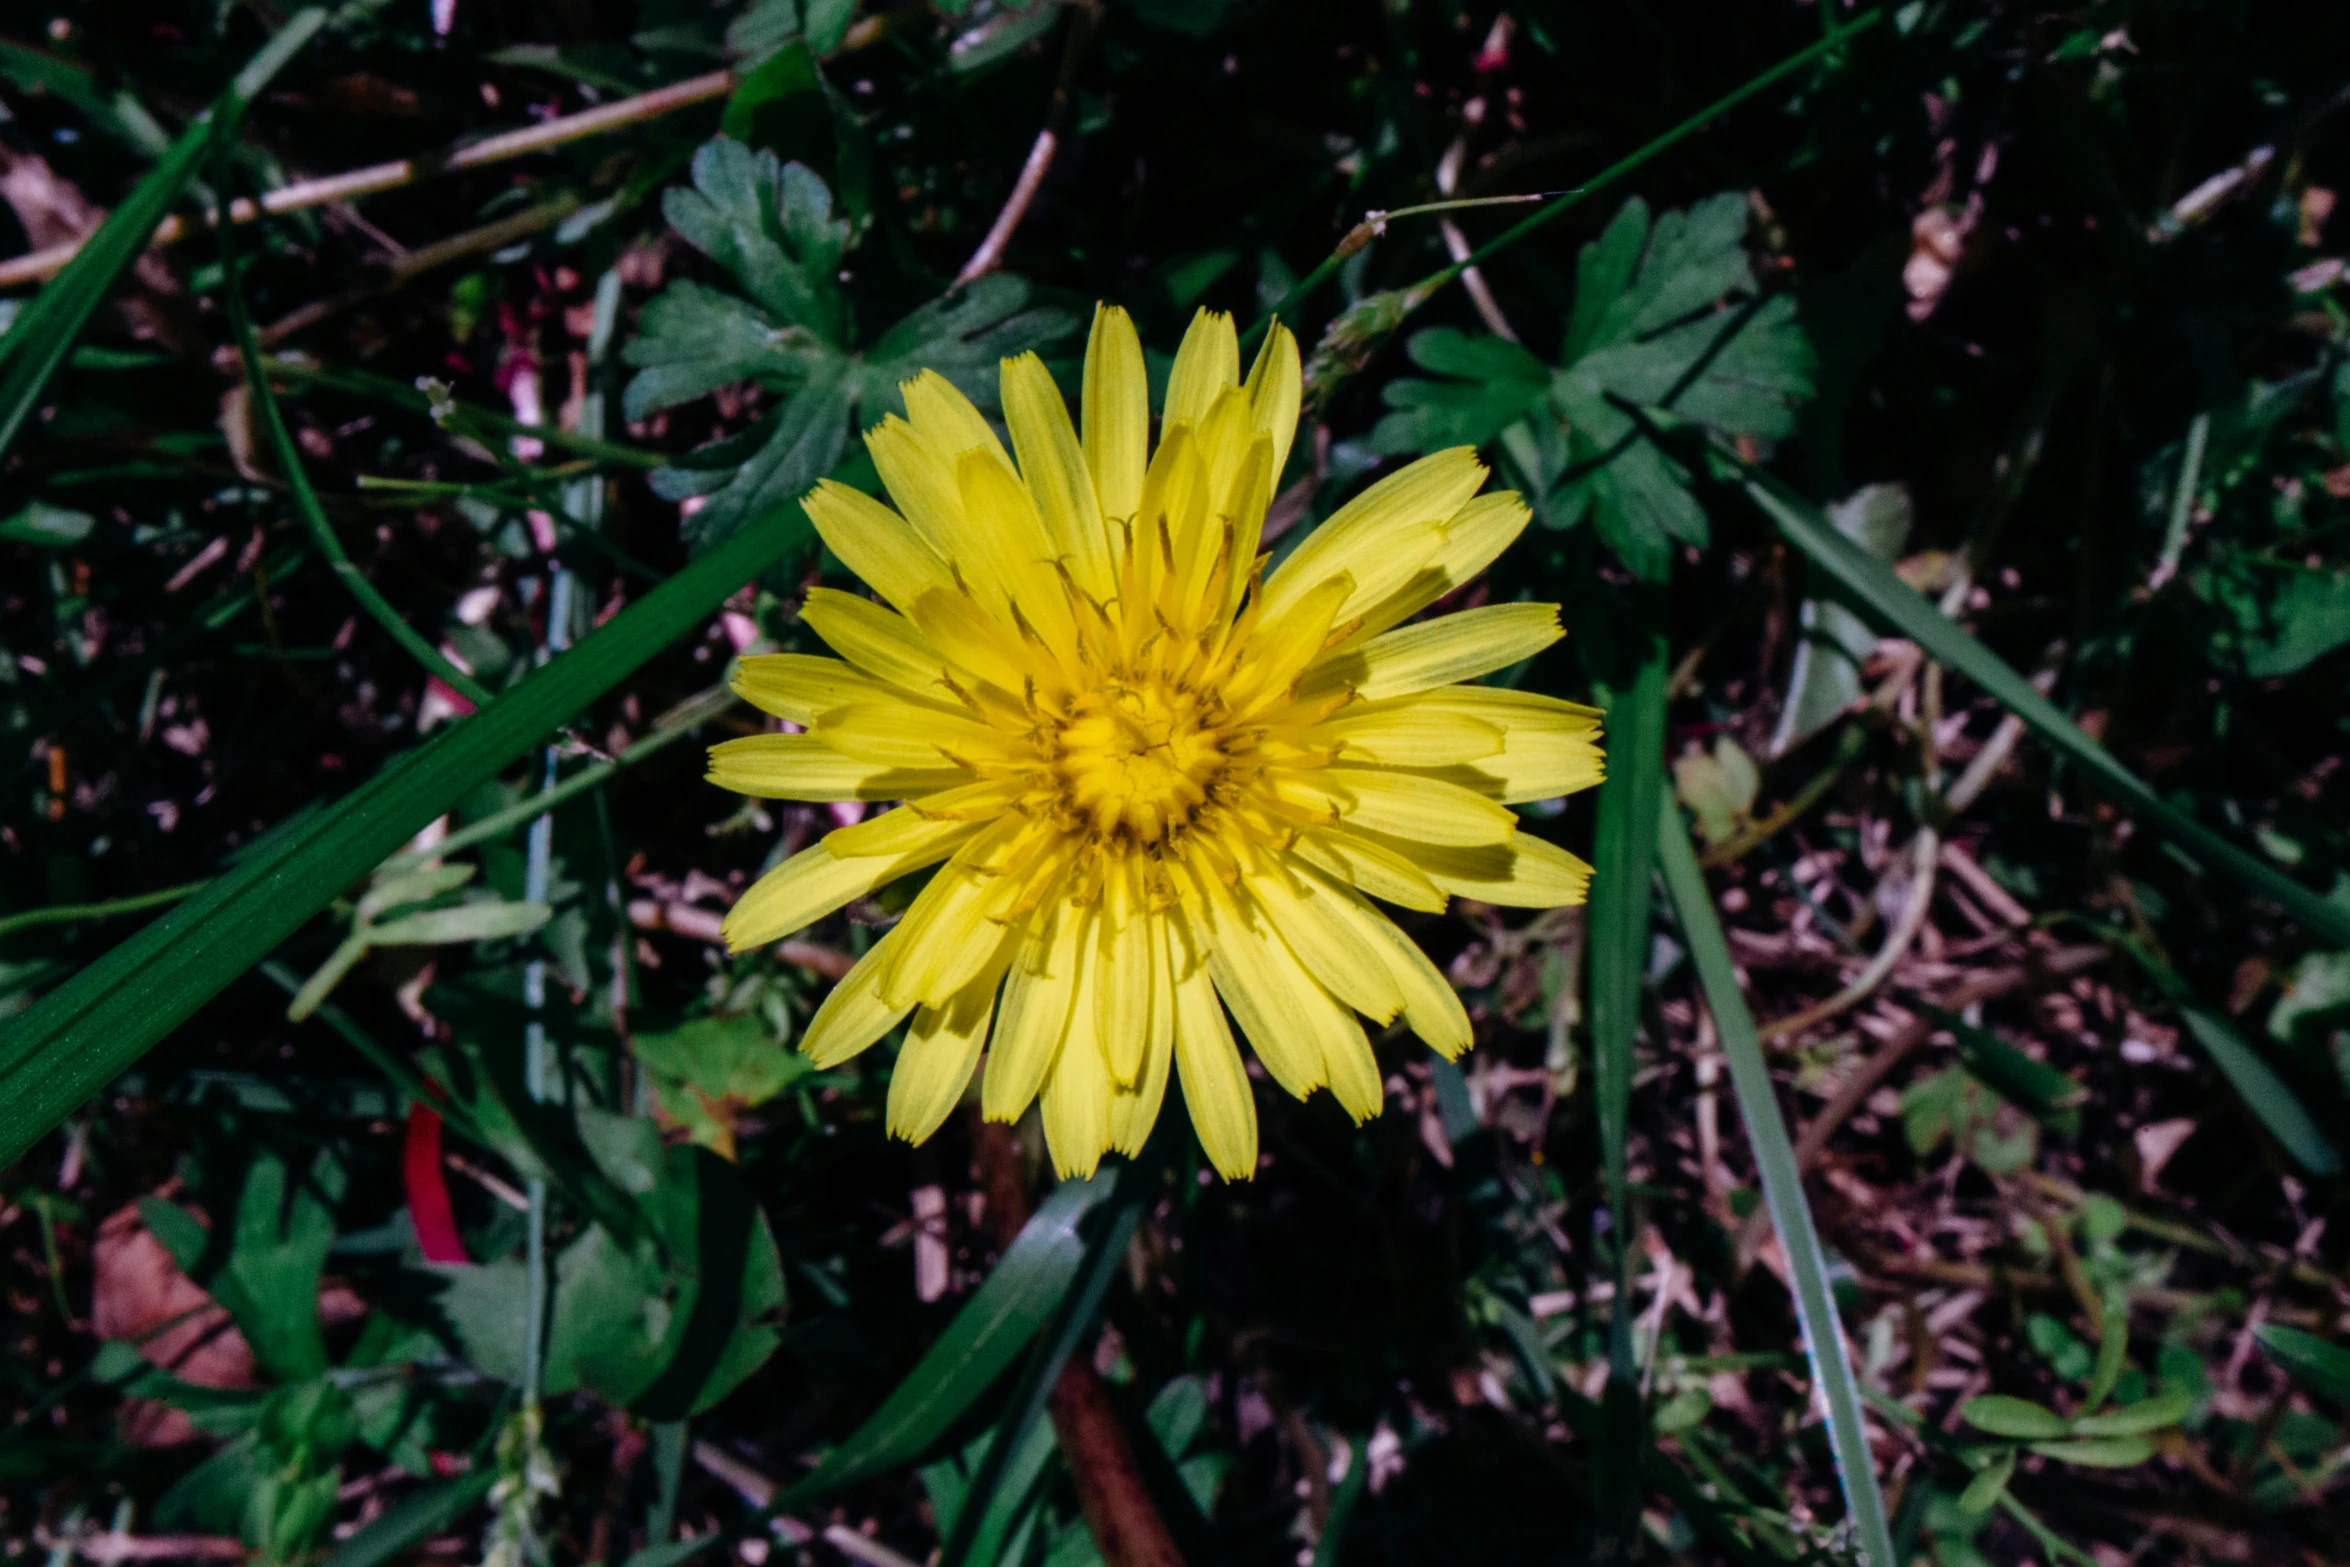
[412, 1519]
[1026, 1406]
[1899, 608]
[67, 1047]
[1621, 899]
[1782, 1185]
[1022, 1294]
[42, 337]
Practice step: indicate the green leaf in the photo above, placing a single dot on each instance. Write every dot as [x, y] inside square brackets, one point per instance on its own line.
[1898, 608]
[1496, 383]
[41, 337]
[770, 224]
[1983, 1492]
[1020, 1296]
[674, 1552]
[414, 1518]
[2275, 617]
[706, 1070]
[1719, 788]
[487, 921]
[2316, 992]
[2323, 1367]
[2151, 1414]
[2002, 1415]
[70, 1044]
[1782, 1184]
[2110, 1452]
[2034, 1086]
[278, 1253]
[50, 527]
[1623, 854]
[1832, 642]
[2267, 1095]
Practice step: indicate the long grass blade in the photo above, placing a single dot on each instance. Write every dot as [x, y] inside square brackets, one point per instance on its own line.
[65, 1048]
[1899, 608]
[42, 337]
[1025, 1292]
[1782, 1185]
[1621, 897]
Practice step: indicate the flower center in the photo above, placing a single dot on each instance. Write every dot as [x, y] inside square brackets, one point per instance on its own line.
[1138, 761]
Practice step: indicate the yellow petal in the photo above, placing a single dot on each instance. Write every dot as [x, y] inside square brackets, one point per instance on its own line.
[1548, 748]
[1279, 1004]
[920, 479]
[1123, 979]
[1275, 393]
[1431, 1007]
[799, 686]
[911, 825]
[1215, 1082]
[880, 642]
[934, 1067]
[1076, 1104]
[1315, 921]
[1524, 873]
[1405, 805]
[1370, 867]
[1438, 652]
[802, 767]
[937, 407]
[1412, 732]
[1135, 1108]
[1117, 412]
[1207, 362]
[1473, 539]
[1053, 465]
[816, 881]
[1383, 536]
[854, 1015]
[1006, 545]
[900, 734]
[979, 644]
[876, 543]
[1283, 645]
[1033, 1015]
[946, 939]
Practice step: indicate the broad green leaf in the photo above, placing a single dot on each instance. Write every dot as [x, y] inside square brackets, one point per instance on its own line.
[2109, 1452]
[2316, 992]
[771, 225]
[1493, 383]
[2136, 1419]
[2276, 617]
[43, 334]
[70, 1044]
[1983, 1492]
[2321, 1366]
[1782, 1184]
[2002, 1415]
[419, 886]
[706, 1071]
[51, 527]
[1898, 608]
[1719, 787]
[1832, 642]
[269, 1282]
[1668, 318]
[1021, 1295]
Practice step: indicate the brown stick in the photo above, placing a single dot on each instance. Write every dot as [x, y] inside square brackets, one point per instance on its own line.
[1124, 1522]
[40, 265]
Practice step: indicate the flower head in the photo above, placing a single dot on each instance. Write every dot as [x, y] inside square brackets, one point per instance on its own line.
[1162, 781]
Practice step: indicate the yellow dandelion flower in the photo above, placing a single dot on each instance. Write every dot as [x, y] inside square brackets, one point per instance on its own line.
[1163, 783]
